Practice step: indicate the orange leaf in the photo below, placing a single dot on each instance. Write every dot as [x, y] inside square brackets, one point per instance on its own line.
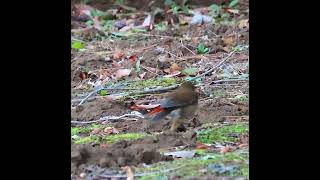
[201, 146]
[174, 67]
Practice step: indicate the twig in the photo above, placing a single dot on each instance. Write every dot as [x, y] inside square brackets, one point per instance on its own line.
[156, 90]
[187, 48]
[230, 80]
[153, 35]
[213, 68]
[173, 55]
[106, 118]
[85, 122]
[90, 94]
[88, 99]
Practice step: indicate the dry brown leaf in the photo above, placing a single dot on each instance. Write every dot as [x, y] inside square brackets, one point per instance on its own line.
[95, 131]
[122, 73]
[229, 40]
[111, 130]
[201, 146]
[244, 23]
[174, 67]
[104, 73]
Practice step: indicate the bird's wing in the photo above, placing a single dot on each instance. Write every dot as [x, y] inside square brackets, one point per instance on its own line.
[170, 103]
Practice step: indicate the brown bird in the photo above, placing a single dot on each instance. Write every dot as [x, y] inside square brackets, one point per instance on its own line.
[182, 104]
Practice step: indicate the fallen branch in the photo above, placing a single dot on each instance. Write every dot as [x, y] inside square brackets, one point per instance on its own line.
[212, 69]
[156, 90]
[90, 94]
[106, 118]
[230, 80]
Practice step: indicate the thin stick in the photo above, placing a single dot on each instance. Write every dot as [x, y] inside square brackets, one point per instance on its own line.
[90, 94]
[230, 80]
[152, 35]
[173, 55]
[156, 90]
[212, 69]
[88, 99]
[106, 118]
[187, 48]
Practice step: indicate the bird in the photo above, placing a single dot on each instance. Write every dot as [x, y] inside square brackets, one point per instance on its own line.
[181, 104]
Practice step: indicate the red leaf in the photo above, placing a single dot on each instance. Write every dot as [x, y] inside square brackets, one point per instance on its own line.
[133, 58]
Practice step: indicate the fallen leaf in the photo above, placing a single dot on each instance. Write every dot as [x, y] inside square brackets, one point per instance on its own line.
[142, 75]
[83, 75]
[95, 131]
[133, 58]
[244, 23]
[201, 146]
[168, 71]
[225, 149]
[174, 67]
[104, 74]
[111, 130]
[118, 54]
[229, 40]
[181, 154]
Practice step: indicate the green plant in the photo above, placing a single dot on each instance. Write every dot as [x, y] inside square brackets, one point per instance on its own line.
[77, 45]
[233, 3]
[215, 10]
[202, 49]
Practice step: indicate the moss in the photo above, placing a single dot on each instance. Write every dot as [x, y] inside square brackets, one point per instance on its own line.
[85, 129]
[191, 167]
[152, 83]
[109, 139]
[229, 133]
[126, 137]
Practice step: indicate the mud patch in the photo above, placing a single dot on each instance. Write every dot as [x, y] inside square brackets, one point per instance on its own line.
[96, 109]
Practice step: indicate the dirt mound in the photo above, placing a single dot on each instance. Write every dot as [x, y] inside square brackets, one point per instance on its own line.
[125, 153]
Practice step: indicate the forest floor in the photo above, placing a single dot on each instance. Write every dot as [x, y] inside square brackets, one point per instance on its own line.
[120, 52]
